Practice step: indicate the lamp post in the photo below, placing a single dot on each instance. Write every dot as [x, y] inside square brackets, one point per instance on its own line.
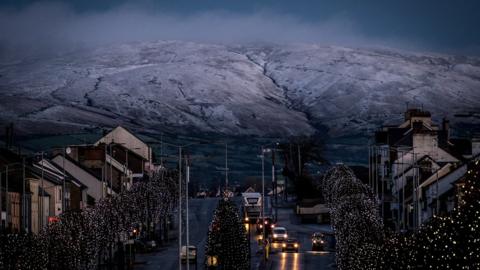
[186, 212]
[180, 147]
[180, 207]
[262, 156]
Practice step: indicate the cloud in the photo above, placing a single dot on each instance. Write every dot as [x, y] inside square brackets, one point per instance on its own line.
[55, 26]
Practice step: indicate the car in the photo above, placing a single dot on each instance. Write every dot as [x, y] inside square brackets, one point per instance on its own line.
[192, 254]
[279, 234]
[143, 245]
[202, 194]
[291, 244]
[318, 242]
[268, 223]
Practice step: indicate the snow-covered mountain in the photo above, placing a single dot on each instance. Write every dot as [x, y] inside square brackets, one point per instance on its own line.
[265, 90]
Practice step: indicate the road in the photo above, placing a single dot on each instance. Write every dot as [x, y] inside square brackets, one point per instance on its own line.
[305, 259]
[201, 212]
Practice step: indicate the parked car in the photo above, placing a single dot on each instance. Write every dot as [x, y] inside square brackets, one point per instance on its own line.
[318, 242]
[268, 223]
[291, 245]
[142, 245]
[279, 234]
[192, 254]
[202, 194]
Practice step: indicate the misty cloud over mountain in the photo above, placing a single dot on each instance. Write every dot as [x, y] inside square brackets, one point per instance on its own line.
[53, 27]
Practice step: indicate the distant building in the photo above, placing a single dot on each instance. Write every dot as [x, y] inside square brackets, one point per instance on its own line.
[120, 136]
[414, 168]
[115, 161]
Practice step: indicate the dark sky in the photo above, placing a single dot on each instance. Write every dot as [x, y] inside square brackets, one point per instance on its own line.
[437, 25]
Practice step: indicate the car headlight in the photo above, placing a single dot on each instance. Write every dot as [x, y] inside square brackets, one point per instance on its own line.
[261, 226]
[322, 242]
[275, 235]
[272, 226]
[314, 241]
[285, 235]
[296, 245]
[246, 219]
[284, 245]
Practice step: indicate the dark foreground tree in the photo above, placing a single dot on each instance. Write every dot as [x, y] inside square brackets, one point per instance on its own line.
[227, 238]
[297, 153]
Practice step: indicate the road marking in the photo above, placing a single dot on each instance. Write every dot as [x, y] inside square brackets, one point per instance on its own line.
[318, 252]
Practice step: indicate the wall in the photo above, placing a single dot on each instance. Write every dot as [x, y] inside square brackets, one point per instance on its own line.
[128, 140]
[94, 185]
[34, 214]
[14, 211]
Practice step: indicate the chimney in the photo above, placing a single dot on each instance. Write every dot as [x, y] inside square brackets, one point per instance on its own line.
[446, 128]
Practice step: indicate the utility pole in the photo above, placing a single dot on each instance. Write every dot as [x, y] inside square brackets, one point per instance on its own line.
[436, 195]
[263, 206]
[226, 167]
[104, 174]
[7, 196]
[180, 207]
[64, 201]
[24, 200]
[369, 166]
[299, 161]
[186, 209]
[274, 184]
[111, 169]
[43, 196]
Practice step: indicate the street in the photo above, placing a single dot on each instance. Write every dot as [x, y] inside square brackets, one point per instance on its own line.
[201, 212]
[305, 259]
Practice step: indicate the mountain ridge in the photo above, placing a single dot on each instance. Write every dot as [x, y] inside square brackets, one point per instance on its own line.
[251, 90]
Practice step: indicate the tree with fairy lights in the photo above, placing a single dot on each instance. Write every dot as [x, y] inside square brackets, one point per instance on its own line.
[82, 239]
[22, 251]
[444, 242]
[354, 214]
[71, 242]
[227, 238]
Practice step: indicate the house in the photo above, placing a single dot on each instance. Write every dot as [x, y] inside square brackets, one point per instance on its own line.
[413, 168]
[100, 161]
[96, 188]
[118, 159]
[120, 136]
[13, 194]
